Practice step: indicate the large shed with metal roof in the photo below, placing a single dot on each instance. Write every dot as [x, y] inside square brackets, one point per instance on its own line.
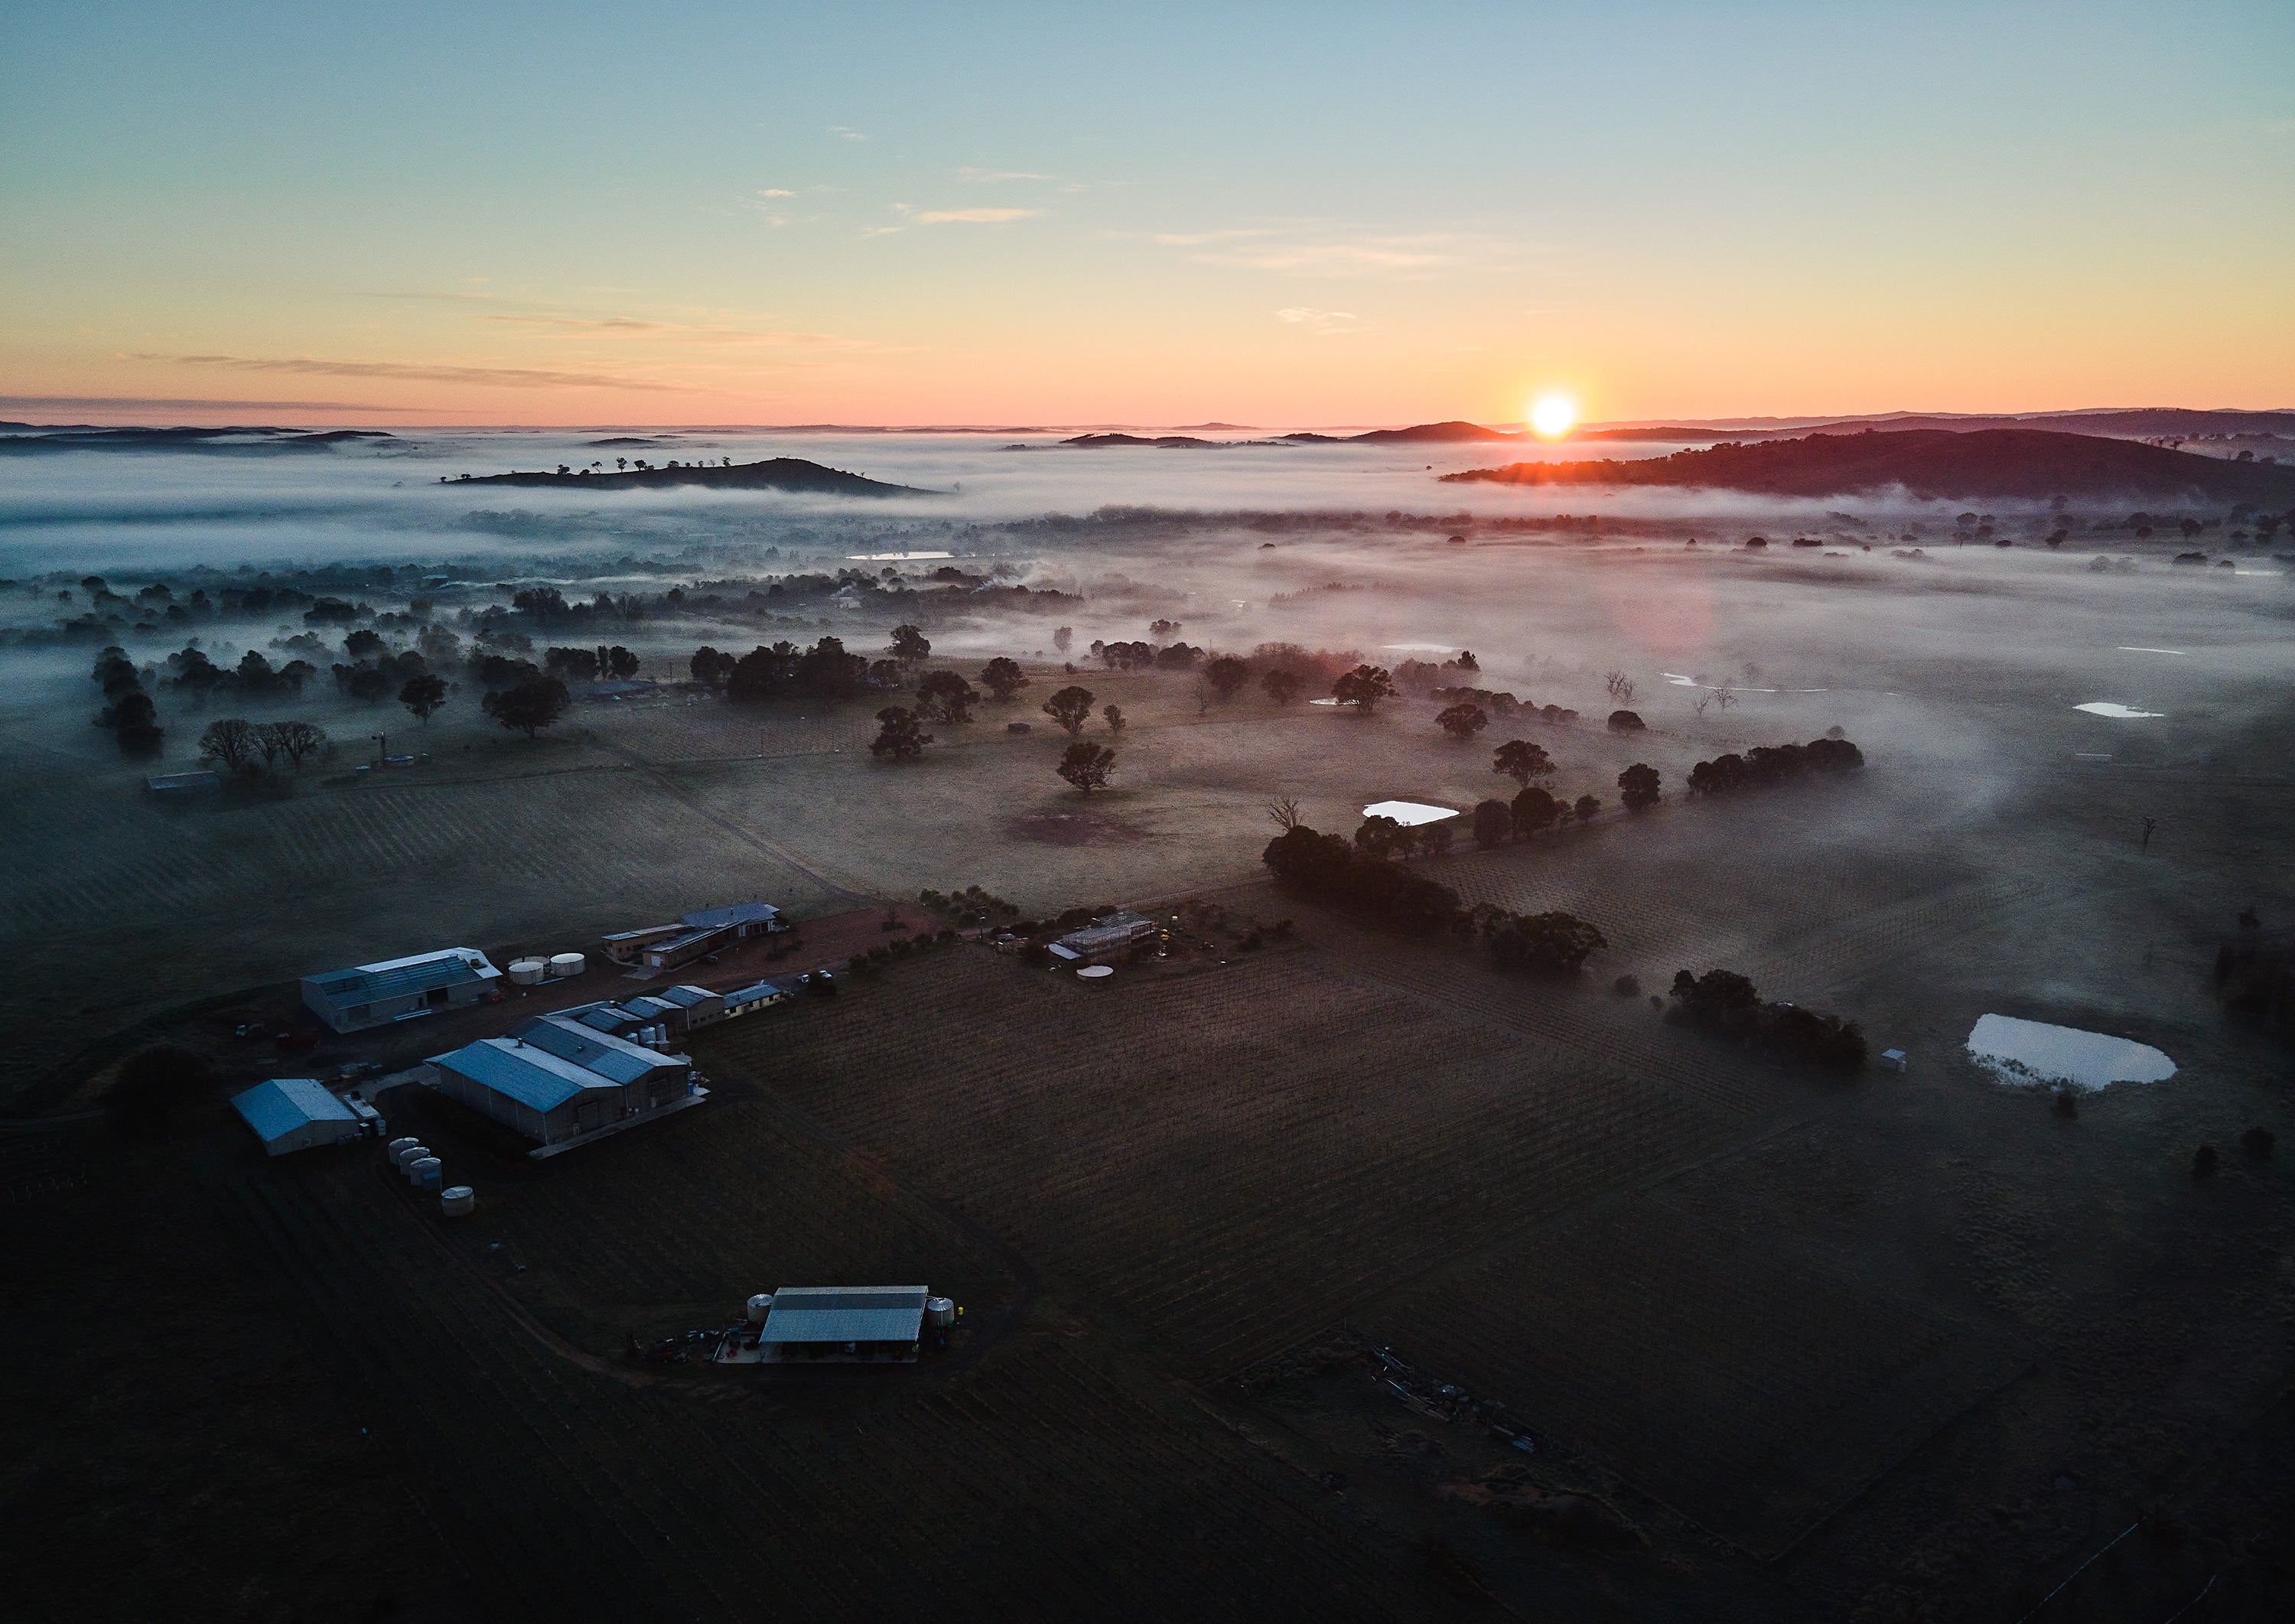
[555, 1080]
[291, 1114]
[844, 1325]
[401, 989]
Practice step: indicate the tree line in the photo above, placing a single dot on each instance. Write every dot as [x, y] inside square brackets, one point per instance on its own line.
[1727, 1005]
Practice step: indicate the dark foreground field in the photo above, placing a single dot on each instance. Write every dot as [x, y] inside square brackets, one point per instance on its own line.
[1891, 1347]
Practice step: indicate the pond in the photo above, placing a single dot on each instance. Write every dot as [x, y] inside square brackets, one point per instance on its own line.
[1411, 815]
[2026, 1052]
[2109, 707]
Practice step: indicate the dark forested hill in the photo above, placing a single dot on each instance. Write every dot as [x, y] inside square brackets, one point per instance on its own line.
[774, 474]
[1992, 462]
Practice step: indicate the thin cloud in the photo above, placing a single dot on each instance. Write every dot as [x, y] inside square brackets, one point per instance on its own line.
[842, 134]
[775, 191]
[1328, 249]
[1187, 239]
[1334, 258]
[981, 176]
[490, 377]
[153, 402]
[682, 331]
[973, 216]
[1319, 321]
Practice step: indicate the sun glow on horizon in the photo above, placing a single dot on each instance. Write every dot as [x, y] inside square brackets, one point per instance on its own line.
[1553, 416]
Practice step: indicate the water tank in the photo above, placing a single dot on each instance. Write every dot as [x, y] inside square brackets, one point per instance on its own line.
[940, 1313]
[456, 1200]
[396, 1146]
[567, 964]
[526, 971]
[423, 1172]
[406, 1153]
[760, 1305]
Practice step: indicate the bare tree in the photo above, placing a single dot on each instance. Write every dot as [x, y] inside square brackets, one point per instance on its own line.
[1702, 701]
[1620, 687]
[1285, 813]
[1724, 696]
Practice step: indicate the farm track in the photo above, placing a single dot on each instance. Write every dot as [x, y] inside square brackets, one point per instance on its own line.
[579, 1496]
[1225, 1193]
[1751, 1395]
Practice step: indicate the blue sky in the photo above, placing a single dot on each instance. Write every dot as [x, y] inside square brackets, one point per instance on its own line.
[1279, 214]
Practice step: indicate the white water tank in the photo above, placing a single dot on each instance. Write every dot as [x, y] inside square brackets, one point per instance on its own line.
[940, 1313]
[562, 965]
[425, 1172]
[760, 1305]
[526, 971]
[406, 1153]
[396, 1146]
[456, 1200]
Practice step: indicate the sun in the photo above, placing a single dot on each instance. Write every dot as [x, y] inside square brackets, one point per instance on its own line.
[1553, 416]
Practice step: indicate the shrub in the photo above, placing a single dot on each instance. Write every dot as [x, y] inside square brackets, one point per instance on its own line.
[1627, 986]
[154, 1085]
[2258, 1142]
[2203, 1161]
[1727, 1004]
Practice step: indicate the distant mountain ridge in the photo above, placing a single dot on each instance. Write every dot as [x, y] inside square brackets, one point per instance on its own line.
[1929, 462]
[774, 474]
[2146, 422]
[35, 440]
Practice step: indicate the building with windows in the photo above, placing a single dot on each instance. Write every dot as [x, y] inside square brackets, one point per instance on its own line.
[291, 1114]
[401, 989]
[559, 1082]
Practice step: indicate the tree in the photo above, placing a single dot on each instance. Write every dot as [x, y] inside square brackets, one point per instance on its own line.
[1071, 707]
[1113, 717]
[1363, 688]
[1285, 813]
[575, 664]
[1062, 636]
[154, 1084]
[1463, 722]
[1226, 675]
[530, 706]
[1087, 765]
[710, 668]
[231, 743]
[423, 695]
[621, 663]
[901, 737]
[1378, 836]
[1555, 943]
[1437, 838]
[945, 697]
[1637, 787]
[1283, 686]
[1625, 721]
[1522, 761]
[911, 645]
[1492, 823]
[1003, 677]
[1586, 807]
[296, 740]
[1534, 809]
[1620, 687]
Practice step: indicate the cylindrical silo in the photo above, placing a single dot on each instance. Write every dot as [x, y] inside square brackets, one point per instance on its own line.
[760, 1305]
[456, 1200]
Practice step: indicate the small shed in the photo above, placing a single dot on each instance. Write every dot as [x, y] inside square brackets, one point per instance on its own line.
[169, 786]
[844, 1325]
[290, 1114]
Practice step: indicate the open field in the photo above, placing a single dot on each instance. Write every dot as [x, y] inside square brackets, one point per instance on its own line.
[1899, 1343]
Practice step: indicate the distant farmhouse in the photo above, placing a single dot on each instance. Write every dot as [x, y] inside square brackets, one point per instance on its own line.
[845, 1325]
[665, 947]
[401, 989]
[1103, 939]
[559, 1082]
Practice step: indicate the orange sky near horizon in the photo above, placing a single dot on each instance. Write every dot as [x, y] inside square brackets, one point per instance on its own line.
[1658, 211]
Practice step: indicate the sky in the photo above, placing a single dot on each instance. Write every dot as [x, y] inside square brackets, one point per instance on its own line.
[1047, 214]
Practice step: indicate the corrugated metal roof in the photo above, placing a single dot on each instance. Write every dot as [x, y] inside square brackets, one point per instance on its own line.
[601, 1052]
[284, 1103]
[732, 913]
[685, 998]
[534, 1077]
[397, 980]
[846, 1314]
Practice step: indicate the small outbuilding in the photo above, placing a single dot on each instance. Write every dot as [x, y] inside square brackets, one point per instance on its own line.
[1103, 938]
[844, 1325]
[291, 1114]
[556, 1080]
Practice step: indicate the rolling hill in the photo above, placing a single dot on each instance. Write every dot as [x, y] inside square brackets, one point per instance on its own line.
[774, 474]
[1929, 462]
